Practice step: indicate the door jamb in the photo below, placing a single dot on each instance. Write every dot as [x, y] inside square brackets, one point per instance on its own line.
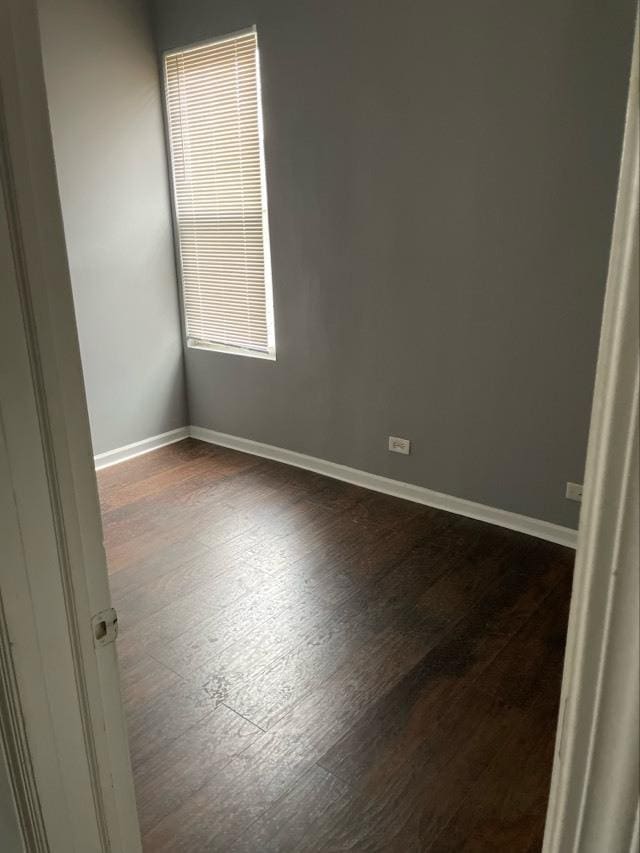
[61, 716]
[593, 802]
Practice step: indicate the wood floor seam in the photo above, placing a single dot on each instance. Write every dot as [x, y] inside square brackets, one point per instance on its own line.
[242, 716]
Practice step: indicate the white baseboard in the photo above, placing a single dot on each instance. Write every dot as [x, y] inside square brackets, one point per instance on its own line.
[120, 454]
[418, 494]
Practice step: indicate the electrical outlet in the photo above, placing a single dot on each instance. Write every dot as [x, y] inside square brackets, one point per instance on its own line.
[574, 492]
[399, 445]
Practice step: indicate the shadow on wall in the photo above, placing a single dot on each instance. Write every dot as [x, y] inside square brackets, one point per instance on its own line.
[104, 99]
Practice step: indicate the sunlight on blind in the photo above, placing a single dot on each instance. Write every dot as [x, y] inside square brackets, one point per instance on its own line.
[214, 123]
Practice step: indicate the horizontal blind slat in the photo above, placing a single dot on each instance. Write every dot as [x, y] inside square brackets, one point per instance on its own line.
[214, 135]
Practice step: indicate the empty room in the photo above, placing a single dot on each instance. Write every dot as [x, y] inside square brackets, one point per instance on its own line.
[337, 272]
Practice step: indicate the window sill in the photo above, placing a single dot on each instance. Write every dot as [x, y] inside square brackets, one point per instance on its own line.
[247, 353]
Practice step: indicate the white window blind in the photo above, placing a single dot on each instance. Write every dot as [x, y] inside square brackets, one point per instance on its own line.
[215, 135]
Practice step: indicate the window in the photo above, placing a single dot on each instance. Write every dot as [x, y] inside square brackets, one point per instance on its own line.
[220, 204]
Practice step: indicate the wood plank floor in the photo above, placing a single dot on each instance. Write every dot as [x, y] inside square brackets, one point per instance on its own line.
[310, 666]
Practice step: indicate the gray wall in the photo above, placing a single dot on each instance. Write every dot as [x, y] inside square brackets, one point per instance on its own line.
[104, 100]
[441, 181]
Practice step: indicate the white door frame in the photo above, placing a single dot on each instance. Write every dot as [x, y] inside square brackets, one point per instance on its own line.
[593, 804]
[61, 719]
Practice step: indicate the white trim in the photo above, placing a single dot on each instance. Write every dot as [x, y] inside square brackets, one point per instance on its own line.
[129, 451]
[61, 718]
[408, 491]
[593, 803]
[269, 354]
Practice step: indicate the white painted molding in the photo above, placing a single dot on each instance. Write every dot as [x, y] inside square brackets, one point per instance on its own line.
[120, 454]
[61, 715]
[593, 803]
[419, 494]
[408, 491]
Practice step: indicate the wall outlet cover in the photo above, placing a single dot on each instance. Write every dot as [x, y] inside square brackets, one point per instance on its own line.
[399, 445]
[574, 492]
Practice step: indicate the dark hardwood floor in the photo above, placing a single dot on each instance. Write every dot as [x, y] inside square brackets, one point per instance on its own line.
[310, 666]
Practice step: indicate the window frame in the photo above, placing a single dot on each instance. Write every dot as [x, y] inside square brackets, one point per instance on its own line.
[193, 343]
